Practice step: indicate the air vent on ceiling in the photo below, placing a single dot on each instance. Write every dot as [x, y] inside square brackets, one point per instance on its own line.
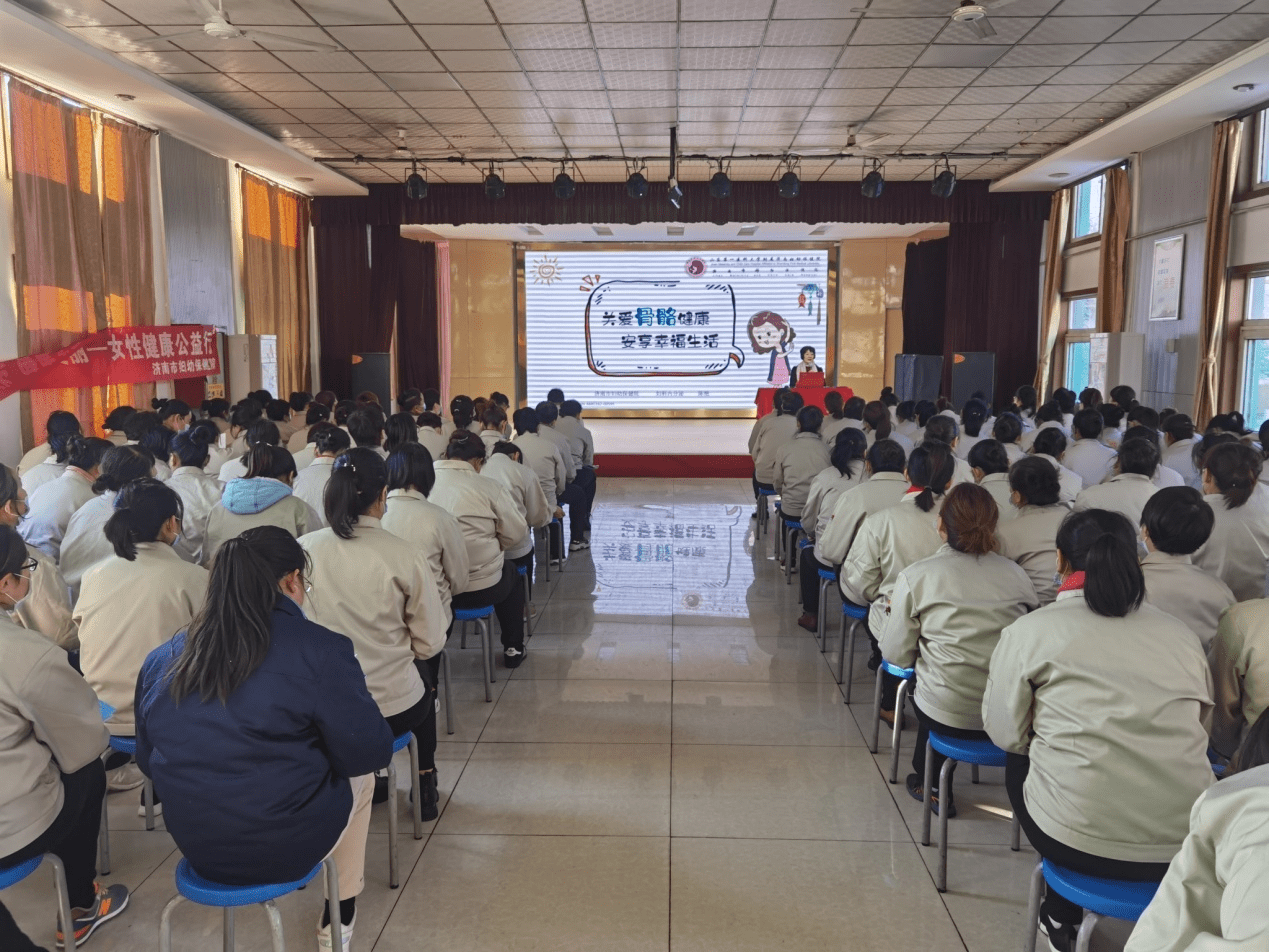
[747, 230]
[531, 230]
[820, 230]
[603, 230]
[674, 230]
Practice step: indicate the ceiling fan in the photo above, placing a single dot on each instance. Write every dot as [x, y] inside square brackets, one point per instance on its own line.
[973, 14]
[218, 27]
[855, 144]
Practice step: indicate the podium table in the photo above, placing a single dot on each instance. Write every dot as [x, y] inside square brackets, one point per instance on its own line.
[814, 396]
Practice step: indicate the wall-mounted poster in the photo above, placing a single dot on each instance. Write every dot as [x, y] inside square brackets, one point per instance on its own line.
[1165, 278]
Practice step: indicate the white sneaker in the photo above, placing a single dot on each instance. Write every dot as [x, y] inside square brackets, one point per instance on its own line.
[158, 809]
[127, 777]
[578, 545]
[324, 942]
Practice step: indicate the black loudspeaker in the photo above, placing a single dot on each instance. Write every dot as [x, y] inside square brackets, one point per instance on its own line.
[917, 376]
[372, 372]
[973, 373]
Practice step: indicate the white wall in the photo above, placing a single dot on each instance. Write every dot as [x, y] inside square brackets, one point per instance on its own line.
[10, 408]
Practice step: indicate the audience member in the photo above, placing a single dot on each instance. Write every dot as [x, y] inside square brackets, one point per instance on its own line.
[505, 465]
[199, 492]
[1233, 552]
[990, 465]
[263, 497]
[1051, 446]
[1029, 537]
[52, 504]
[846, 471]
[310, 482]
[798, 462]
[1128, 490]
[46, 461]
[1088, 456]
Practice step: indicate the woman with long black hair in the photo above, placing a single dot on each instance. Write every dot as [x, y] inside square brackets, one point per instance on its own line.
[46, 607]
[256, 725]
[379, 590]
[46, 461]
[199, 492]
[1235, 552]
[137, 598]
[1099, 699]
[53, 503]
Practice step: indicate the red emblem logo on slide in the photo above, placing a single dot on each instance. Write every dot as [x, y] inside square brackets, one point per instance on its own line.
[695, 267]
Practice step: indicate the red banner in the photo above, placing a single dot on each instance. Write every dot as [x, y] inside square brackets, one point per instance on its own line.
[117, 355]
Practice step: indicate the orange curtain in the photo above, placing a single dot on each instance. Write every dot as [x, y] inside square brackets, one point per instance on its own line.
[1218, 358]
[275, 225]
[1111, 276]
[1051, 299]
[82, 240]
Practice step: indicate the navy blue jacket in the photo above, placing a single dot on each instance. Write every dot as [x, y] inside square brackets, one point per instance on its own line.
[256, 790]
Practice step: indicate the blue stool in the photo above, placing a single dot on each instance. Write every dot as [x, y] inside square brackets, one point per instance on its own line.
[978, 753]
[481, 617]
[905, 676]
[827, 578]
[12, 875]
[124, 745]
[764, 513]
[856, 614]
[1113, 898]
[204, 892]
[790, 531]
[406, 740]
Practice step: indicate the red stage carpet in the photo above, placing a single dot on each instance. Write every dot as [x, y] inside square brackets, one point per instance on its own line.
[674, 467]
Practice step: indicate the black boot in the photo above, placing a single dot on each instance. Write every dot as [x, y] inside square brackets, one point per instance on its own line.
[431, 798]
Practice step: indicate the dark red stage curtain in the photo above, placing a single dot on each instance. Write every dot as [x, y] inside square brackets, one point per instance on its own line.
[418, 351]
[993, 286]
[342, 254]
[901, 203]
[924, 296]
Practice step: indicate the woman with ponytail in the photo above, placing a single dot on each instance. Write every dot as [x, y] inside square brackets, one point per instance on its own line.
[845, 472]
[1100, 699]
[891, 540]
[379, 590]
[1235, 550]
[263, 497]
[46, 462]
[878, 426]
[945, 619]
[973, 415]
[257, 725]
[199, 492]
[46, 607]
[85, 543]
[53, 504]
[491, 526]
[137, 598]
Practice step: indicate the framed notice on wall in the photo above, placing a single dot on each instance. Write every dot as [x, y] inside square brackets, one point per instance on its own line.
[1165, 278]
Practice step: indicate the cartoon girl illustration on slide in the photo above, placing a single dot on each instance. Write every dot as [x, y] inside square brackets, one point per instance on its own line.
[771, 334]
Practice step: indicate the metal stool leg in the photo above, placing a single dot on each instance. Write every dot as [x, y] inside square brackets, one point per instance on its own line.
[486, 651]
[415, 793]
[848, 657]
[165, 924]
[821, 631]
[945, 800]
[63, 894]
[275, 925]
[147, 797]
[927, 804]
[900, 696]
[973, 777]
[227, 933]
[103, 838]
[1033, 907]
[1085, 936]
[1015, 839]
[332, 896]
[394, 879]
[876, 715]
[790, 552]
[449, 694]
[462, 636]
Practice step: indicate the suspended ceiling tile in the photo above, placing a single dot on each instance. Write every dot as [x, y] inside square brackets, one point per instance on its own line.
[634, 35]
[567, 80]
[798, 57]
[437, 99]
[993, 94]
[1037, 110]
[537, 11]
[637, 59]
[713, 79]
[442, 11]
[643, 115]
[657, 98]
[889, 30]
[868, 57]
[717, 33]
[812, 79]
[919, 96]
[1055, 54]
[1168, 27]
[852, 97]
[1015, 76]
[476, 61]
[736, 9]
[121, 39]
[944, 78]
[1238, 26]
[335, 130]
[266, 115]
[507, 80]
[210, 82]
[842, 118]
[179, 62]
[339, 13]
[273, 82]
[1110, 54]
[983, 112]
[1077, 30]
[689, 99]
[953, 127]
[631, 11]
[1203, 52]
[82, 13]
[949, 55]
[542, 36]
[782, 97]
[1009, 30]
[640, 79]
[783, 114]
[559, 60]
[527, 129]
[310, 100]
[350, 82]
[395, 116]
[1198, 6]
[375, 37]
[165, 12]
[865, 78]
[895, 126]
[571, 99]
[1100, 8]
[505, 98]
[1071, 94]
[244, 100]
[323, 115]
[1091, 75]
[576, 115]
[398, 61]
[1017, 124]
[497, 116]
[441, 37]
[1162, 74]
[419, 81]
[1098, 110]
[816, 32]
[723, 59]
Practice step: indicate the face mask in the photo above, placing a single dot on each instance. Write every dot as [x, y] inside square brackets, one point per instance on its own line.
[1057, 578]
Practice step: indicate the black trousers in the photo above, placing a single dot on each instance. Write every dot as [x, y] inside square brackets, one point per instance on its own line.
[420, 719]
[809, 576]
[1055, 907]
[577, 498]
[927, 724]
[526, 562]
[507, 599]
[72, 837]
[757, 486]
[586, 479]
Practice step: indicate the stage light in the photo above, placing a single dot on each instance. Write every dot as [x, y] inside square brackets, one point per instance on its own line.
[565, 187]
[637, 185]
[415, 185]
[720, 184]
[789, 185]
[495, 187]
[944, 181]
[674, 193]
[873, 182]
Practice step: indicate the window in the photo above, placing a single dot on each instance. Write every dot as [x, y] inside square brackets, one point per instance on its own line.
[1262, 148]
[1086, 218]
[1081, 323]
[1255, 350]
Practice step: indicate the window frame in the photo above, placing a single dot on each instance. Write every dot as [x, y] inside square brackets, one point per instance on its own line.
[1249, 330]
[1068, 335]
[1072, 239]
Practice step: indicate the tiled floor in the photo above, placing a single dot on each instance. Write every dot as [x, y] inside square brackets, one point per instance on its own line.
[673, 767]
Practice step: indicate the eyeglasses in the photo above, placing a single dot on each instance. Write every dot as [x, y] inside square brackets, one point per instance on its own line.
[29, 566]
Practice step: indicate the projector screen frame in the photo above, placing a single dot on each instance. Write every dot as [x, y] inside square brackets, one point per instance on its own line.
[833, 309]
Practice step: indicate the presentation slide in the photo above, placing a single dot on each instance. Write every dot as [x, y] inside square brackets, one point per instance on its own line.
[671, 330]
